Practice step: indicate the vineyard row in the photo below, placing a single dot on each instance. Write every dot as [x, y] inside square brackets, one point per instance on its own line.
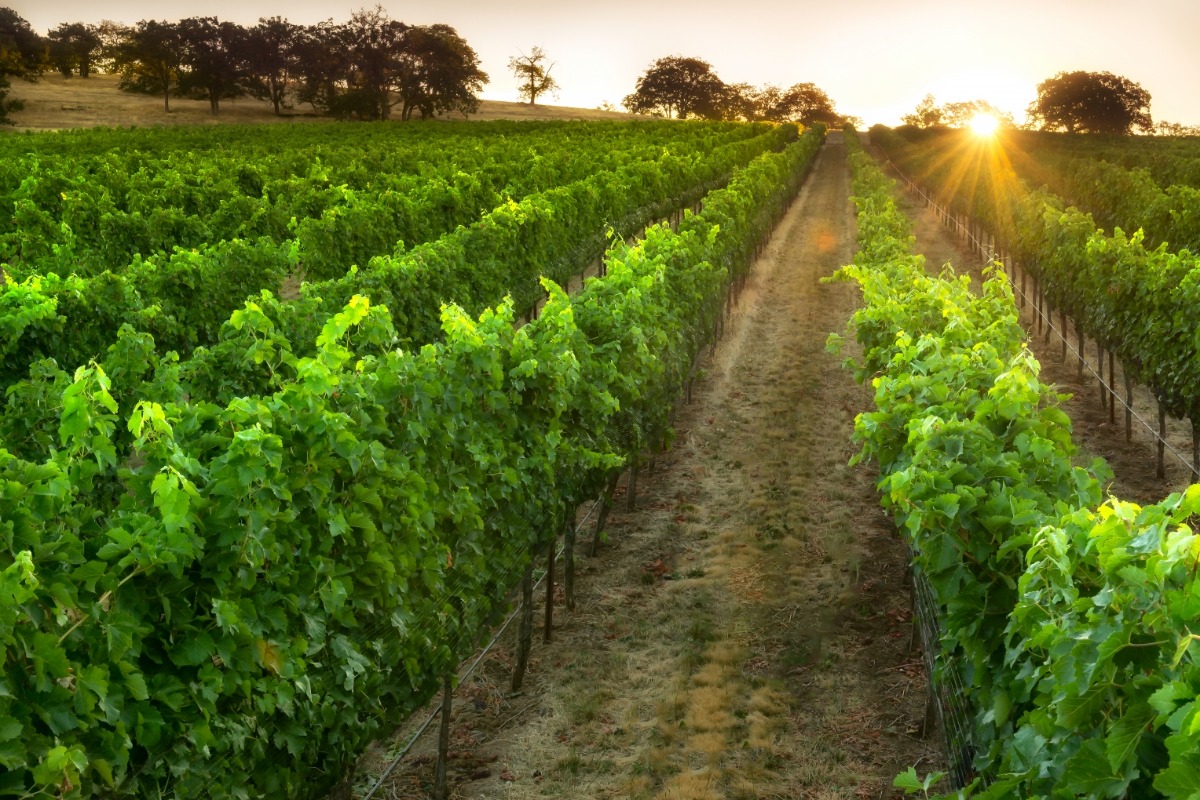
[1134, 301]
[1066, 616]
[184, 299]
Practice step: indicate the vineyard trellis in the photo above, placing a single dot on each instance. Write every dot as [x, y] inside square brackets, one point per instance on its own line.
[988, 247]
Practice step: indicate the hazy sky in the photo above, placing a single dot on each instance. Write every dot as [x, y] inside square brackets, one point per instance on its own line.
[875, 58]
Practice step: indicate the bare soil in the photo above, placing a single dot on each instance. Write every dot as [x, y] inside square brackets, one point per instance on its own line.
[1097, 430]
[56, 102]
[745, 630]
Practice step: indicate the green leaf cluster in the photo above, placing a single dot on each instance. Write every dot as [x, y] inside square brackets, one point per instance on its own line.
[1123, 182]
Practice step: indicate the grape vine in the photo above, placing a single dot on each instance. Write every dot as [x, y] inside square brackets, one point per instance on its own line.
[1069, 616]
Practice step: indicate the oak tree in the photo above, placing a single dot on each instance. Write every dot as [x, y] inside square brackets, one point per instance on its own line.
[763, 103]
[678, 86]
[273, 60]
[73, 48]
[214, 60]
[1164, 128]
[804, 103]
[322, 64]
[927, 114]
[150, 60]
[22, 55]
[439, 72]
[740, 101]
[807, 104]
[371, 43]
[960, 114]
[1091, 102]
[22, 50]
[113, 36]
[378, 63]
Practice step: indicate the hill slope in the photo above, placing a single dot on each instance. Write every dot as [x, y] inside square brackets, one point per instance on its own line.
[55, 102]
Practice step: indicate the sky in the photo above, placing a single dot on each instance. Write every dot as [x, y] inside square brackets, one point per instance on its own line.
[875, 58]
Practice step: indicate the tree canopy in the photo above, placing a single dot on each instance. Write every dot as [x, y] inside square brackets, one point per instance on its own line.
[927, 114]
[112, 37]
[22, 55]
[1165, 128]
[150, 59]
[678, 86]
[73, 48]
[370, 44]
[273, 63]
[214, 57]
[1091, 102]
[804, 103]
[439, 73]
[362, 68]
[960, 114]
[22, 51]
[681, 87]
[533, 75]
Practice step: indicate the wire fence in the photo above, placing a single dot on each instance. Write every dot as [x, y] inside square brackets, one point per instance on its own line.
[947, 696]
[1124, 402]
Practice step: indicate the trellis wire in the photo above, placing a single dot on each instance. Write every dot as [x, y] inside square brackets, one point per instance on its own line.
[947, 695]
[1061, 334]
[395, 762]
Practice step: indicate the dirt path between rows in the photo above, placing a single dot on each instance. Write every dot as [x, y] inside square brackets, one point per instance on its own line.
[745, 632]
[1097, 431]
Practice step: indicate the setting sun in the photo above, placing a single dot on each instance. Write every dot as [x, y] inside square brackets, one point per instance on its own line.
[984, 124]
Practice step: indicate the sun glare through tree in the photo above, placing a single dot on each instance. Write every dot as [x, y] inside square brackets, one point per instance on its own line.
[984, 124]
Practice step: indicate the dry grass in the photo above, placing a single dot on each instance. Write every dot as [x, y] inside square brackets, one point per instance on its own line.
[703, 784]
[55, 102]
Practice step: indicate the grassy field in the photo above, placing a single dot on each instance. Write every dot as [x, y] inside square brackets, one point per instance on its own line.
[55, 102]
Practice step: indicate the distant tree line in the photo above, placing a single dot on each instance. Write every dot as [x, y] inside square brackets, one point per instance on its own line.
[369, 67]
[1069, 102]
[683, 87]
[928, 114]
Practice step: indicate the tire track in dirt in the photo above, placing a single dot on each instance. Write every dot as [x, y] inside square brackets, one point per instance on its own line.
[745, 631]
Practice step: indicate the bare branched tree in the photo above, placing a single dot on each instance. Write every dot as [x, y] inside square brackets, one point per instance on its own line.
[534, 74]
